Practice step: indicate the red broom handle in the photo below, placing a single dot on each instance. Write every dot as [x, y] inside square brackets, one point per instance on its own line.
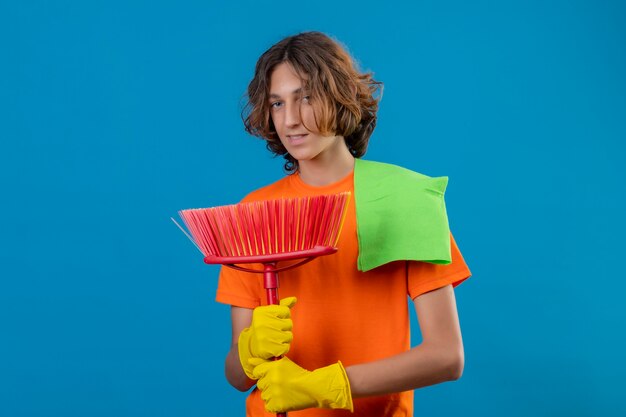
[270, 282]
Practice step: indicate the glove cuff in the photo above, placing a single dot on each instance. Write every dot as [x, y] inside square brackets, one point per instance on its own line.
[243, 346]
[335, 392]
[346, 404]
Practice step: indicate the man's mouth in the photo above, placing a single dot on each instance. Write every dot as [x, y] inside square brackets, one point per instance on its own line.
[297, 138]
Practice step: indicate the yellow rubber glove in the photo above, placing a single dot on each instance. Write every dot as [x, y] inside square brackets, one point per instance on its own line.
[285, 386]
[269, 334]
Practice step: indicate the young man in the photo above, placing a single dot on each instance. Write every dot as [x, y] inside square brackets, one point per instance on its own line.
[346, 338]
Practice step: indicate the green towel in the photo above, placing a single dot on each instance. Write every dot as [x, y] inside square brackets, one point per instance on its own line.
[400, 214]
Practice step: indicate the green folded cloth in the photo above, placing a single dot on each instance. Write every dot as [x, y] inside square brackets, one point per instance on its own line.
[400, 214]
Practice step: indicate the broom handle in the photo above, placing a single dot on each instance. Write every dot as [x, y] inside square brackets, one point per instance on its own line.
[270, 282]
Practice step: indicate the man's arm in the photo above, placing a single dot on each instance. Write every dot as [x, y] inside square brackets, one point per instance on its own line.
[240, 319]
[437, 359]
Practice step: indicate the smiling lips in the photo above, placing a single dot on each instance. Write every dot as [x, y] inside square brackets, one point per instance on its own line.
[296, 139]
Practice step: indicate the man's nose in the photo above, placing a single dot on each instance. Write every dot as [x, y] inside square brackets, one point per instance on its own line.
[292, 118]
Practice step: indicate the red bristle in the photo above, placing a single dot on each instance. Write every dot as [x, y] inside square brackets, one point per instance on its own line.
[280, 225]
[301, 222]
[244, 222]
[333, 227]
[243, 212]
[190, 226]
[324, 231]
[275, 220]
[274, 213]
[292, 232]
[252, 228]
[258, 224]
[216, 222]
[271, 226]
[217, 225]
[226, 231]
[231, 230]
[267, 227]
[202, 229]
[258, 247]
[280, 228]
[264, 226]
[306, 222]
[258, 221]
[327, 220]
[236, 232]
[213, 225]
[240, 236]
[197, 230]
[335, 216]
[221, 234]
[289, 232]
[321, 230]
[314, 209]
[293, 226]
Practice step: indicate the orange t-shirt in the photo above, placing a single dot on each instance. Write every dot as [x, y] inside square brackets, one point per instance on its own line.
[342, 313]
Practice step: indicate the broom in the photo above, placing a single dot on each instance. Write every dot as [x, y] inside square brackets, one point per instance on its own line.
[267, 232]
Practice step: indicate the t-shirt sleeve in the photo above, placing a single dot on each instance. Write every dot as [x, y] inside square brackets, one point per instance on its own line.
[424, 277]
[238, 288]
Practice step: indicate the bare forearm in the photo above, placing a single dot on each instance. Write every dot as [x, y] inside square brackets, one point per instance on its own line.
[419, 367]
[234, 372]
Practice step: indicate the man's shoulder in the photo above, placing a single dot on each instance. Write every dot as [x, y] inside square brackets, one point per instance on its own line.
[387, 169]
[379, 178]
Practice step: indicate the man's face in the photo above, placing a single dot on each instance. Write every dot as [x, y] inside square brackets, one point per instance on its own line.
[291, 111]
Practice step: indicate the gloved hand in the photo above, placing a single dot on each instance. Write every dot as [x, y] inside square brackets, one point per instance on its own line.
[269, 334]
[285, 386]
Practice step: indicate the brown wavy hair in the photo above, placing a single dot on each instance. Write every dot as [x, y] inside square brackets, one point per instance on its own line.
[345, 101]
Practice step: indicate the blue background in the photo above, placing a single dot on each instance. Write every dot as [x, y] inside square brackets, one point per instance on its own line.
[114, 115]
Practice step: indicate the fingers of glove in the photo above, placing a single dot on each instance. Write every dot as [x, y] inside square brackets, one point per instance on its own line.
[271, 327]
[250, 365]
[260, 368]
[270, 336]
[270, 374]
[256, 362]
[273, 310]
[281, 310]
[243, 347]
[277, 373]
[281, 387]
[288, 302]
[275, 348]
[270, 345]
[272, 404]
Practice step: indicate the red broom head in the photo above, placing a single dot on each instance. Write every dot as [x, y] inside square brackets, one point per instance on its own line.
[268, 227]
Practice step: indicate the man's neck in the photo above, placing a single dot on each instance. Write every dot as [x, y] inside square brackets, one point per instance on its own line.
[327, 168]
